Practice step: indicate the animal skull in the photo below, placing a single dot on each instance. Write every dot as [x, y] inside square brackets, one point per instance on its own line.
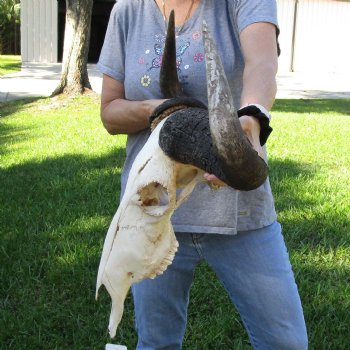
[140, 242]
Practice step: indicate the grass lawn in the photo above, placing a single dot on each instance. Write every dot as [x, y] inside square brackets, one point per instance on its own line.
[59, 176]
[9, 64]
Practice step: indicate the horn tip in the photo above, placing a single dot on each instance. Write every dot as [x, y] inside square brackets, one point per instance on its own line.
[171, 20]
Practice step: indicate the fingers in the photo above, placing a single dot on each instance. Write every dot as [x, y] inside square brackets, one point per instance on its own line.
[251, 127]
[255, 142]
[213, 181]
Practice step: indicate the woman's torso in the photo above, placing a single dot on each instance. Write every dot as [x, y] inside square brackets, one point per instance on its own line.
[226, 210]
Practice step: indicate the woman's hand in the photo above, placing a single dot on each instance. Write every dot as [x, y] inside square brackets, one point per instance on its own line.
[153, 104]
[251, 128]
[214, 182]
[122, 116]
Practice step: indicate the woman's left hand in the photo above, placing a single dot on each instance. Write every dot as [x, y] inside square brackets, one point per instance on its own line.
[214, 182]
[251, 128]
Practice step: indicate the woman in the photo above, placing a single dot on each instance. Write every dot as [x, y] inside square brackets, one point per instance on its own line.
[235, 232]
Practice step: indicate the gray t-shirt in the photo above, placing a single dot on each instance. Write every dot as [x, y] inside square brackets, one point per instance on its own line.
[132, 54]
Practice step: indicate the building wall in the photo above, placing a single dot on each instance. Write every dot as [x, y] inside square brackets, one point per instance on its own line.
[321, 35]
[314, 33]
[39, 30]
[286, 22]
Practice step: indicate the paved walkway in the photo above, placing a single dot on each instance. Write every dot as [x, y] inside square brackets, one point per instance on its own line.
[313, 85]
[41, 79]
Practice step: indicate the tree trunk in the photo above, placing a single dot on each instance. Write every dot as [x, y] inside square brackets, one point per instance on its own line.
[74, 78]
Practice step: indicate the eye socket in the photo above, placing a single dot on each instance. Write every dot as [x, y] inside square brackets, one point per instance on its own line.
[154, 198]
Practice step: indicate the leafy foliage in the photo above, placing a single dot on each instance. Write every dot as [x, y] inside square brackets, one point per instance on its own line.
[9, 26]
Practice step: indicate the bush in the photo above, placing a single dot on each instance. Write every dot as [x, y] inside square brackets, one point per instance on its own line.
[10, 27]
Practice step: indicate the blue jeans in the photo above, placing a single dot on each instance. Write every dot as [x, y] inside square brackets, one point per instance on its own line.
[254, 268]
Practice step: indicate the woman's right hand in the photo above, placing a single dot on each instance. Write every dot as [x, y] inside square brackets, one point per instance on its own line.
[122, 116]
[153, 104]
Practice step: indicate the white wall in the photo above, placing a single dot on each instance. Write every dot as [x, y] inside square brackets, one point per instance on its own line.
[285, 20]
[322, 35]
[39, 30]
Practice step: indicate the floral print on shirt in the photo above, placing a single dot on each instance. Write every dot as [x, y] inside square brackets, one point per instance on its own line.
[152, 57]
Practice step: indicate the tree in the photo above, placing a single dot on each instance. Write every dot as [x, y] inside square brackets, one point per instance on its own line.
[9, 26]
[74, 78]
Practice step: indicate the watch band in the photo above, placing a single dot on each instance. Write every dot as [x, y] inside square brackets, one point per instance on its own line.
[259, 112]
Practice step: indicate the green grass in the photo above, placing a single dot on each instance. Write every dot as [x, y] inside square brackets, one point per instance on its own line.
[9, 64]
[59, 187]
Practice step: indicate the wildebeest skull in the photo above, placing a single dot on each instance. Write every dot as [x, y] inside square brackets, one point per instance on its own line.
[187, 140]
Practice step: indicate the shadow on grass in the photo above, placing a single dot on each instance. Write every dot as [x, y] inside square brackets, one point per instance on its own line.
[10, 134]
[317, 239]
[10, 107]
[282, 174]
[55, 215]
[10, 65]
[309, 106]
[50, 192]
[54, 218]
[323, 276]
[10, 62]
[306, 224]
[324, 292]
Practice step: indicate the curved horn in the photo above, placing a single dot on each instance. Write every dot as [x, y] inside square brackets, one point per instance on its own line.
[244, 169]
[169, 81]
